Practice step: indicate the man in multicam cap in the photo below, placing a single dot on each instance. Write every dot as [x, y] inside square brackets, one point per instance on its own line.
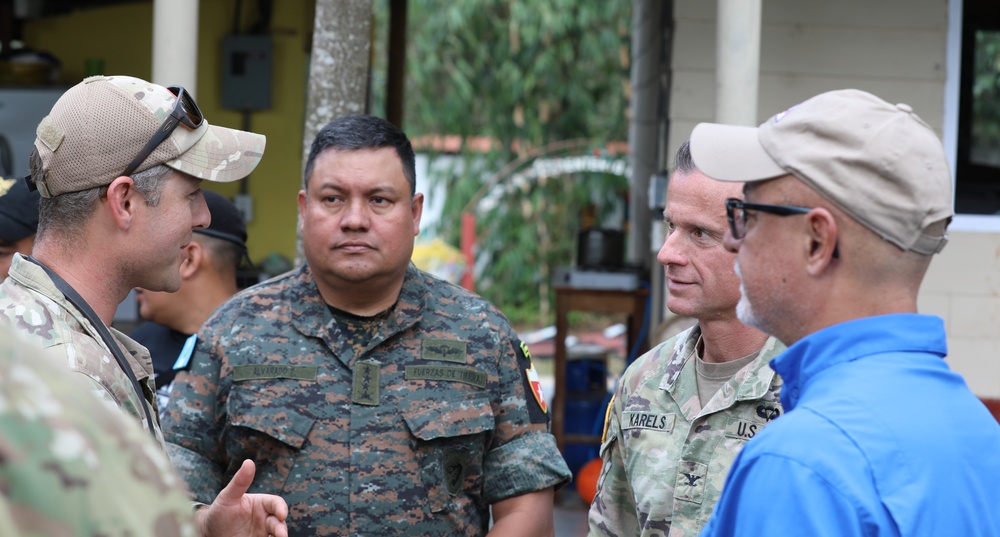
[18, 221]
[684, 410]
[377, 399]
[847, 200]
[119, 162]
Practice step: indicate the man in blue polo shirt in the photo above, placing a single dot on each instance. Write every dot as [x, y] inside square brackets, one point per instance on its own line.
[847, 198]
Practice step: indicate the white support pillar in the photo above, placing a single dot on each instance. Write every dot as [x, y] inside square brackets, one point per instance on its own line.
[737, 62]
[175, 43]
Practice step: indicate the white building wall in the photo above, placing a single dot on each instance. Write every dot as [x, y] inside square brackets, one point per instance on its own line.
[895, 49]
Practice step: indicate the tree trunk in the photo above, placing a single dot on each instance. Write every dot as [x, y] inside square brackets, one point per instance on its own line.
[338, 70]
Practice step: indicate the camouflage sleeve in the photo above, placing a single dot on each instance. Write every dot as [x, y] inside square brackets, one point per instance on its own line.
[524, 457]
[193, 422]
[613, 511]
[71, 464]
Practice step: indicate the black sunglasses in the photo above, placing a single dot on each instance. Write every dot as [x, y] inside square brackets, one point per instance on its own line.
[736, 212]
[185, 111]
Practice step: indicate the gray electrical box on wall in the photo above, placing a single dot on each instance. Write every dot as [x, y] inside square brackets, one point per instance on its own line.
[246, 73]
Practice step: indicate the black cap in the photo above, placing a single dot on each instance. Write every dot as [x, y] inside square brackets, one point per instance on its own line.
[227, 222]
[18, 210]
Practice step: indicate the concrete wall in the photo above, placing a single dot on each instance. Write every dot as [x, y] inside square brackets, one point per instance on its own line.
[896, 49]
[892, 48]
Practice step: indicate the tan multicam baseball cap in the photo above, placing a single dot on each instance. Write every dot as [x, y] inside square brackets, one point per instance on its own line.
[98, 126]
[878, 162]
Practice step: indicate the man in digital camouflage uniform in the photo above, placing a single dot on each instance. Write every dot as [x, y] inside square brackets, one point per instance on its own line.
[118, 163]
[377, 399]
[69, 462]
[684, 410]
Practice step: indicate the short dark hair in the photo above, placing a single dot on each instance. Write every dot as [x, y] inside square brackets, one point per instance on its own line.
[683, 163]
[227, 255]
[360, 131]
[67, 213]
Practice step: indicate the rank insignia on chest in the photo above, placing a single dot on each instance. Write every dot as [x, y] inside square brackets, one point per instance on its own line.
[365, 388]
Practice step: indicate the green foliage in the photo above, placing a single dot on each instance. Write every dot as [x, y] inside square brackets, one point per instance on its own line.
[986, 99]
[523, 74]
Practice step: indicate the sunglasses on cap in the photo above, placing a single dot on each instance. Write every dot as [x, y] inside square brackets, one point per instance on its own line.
[185, 111]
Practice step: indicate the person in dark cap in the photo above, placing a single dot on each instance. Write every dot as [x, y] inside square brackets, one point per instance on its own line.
[208, 278]
[18, 221]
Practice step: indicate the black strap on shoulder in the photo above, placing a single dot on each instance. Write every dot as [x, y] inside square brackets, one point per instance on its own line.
[81, 304]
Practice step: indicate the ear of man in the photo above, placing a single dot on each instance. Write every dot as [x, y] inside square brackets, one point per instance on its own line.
[193, 259]
[123, 201]
[822, 233]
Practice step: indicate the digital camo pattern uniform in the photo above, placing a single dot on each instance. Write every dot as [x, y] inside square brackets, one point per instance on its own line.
[417, 435]
[665, 457]
[36, 309]
[72, 465]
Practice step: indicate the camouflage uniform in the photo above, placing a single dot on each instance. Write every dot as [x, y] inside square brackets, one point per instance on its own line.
[417, 435]
[31, 303]
[666, 458]
[72, 465]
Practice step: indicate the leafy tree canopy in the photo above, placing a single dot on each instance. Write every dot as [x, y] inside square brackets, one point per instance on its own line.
[524, 75]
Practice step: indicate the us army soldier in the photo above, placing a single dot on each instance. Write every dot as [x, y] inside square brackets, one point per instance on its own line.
[685, 409]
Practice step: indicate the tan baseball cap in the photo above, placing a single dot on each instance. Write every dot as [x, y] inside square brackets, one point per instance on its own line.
[878, 162]
[98, 126]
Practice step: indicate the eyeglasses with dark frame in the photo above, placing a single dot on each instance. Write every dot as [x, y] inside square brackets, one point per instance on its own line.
[736, 212]
[185, 111]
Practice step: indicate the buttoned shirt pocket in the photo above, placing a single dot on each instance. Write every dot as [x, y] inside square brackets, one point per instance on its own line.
[268, 431]
[450, 440]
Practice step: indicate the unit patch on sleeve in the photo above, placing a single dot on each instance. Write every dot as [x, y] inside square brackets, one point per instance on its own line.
[538, 409]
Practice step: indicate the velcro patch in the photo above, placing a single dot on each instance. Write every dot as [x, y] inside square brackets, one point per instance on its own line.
[690, 483]
[448, 350]
[49, 134]
[742, 429]
[648, 420]
[455, 469]
[466, 375]
[273, 371]
[366, 384]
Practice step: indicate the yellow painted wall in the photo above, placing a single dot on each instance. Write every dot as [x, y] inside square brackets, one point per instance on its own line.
[122, 36]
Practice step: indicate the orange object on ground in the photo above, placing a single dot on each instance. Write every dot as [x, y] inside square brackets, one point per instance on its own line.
[586, 480]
